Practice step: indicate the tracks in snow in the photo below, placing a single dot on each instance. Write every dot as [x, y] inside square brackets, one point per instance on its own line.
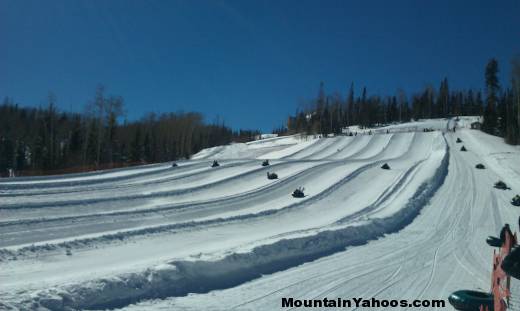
[173, 212]
[261, 257]
[182, 277]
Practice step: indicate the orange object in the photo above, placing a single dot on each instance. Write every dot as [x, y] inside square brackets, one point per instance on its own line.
[500, 281]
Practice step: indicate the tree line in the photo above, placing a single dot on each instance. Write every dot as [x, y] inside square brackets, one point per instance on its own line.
[45, 140]
[500, 107]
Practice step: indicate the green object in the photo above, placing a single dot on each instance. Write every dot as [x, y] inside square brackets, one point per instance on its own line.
[471, 300]
[516, 200]
[493, 241]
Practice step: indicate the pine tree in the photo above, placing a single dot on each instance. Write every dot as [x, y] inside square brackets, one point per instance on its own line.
[479, 103]
[515, 100]
[492, 89]
[510, 127]
[20, 156]
[136, 148]
[7, 154]
[147, 146]
[320, 107]
[92, 144]
[363, 109]
[443, 100]
[350, 106]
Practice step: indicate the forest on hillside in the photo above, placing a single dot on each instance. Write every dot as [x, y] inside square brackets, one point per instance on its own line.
[44, 140]
[498, 104]
[35, 141]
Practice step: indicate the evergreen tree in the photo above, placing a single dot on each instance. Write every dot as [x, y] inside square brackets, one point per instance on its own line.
[136, 148]
[20, 156]
[350, 106]
[492, 89]
[92, 144]
[147, 146]
[514, 108]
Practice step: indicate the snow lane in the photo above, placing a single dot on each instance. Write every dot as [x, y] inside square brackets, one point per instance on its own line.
[329, 143]
[207, 153]
[270, 148]
[358, 144]
[96, 175]
[341, 143]
[83, 178]
[289, 151]
[135, 181]
[311, 149]
[175, 179]
[375, 146]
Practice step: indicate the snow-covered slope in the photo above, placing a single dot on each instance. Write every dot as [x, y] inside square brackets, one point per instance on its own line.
[269, 148]
[200, 238]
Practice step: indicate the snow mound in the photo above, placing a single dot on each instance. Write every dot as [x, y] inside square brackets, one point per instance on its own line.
[269, 148]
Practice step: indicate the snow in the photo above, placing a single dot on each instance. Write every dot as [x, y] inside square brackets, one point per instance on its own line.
[267, 148]
[419, 125]
[82, 177]
[202, 238]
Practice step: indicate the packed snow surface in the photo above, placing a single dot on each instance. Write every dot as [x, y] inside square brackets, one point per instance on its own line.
[194, 237]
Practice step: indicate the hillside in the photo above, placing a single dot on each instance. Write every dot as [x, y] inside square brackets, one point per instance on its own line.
[228, 237]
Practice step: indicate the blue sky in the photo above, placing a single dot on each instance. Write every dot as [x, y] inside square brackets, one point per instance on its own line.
[250, 62]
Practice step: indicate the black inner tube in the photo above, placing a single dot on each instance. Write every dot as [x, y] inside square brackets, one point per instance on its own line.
[468, 300]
